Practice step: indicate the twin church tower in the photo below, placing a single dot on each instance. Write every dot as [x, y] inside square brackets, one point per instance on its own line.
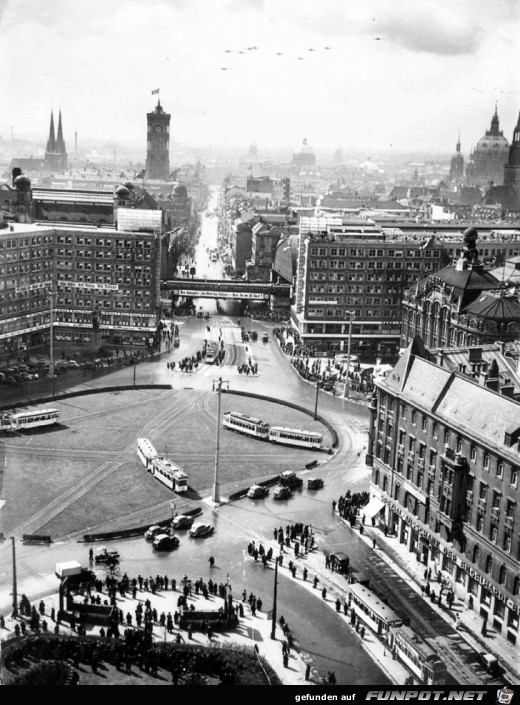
[157, 145]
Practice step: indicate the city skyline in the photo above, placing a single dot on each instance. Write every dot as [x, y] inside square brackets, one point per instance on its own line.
[363, 76]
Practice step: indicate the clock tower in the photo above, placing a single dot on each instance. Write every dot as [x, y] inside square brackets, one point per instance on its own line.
[158, 144]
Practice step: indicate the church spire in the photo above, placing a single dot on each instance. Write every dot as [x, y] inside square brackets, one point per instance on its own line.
[458, 144]
[60, 143]
[51, 142]
[494, 122]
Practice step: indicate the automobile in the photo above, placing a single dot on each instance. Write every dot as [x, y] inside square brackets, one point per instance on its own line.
[206, 316]
[340, 562]
[314, 483]
[165, 542]
[24, 377]
[290, 479]
[73, 364]
[265, 338]
[200, 529]
[104, 556]
[490, 663]
[152, 532]
[282, 492]
[256, 491]
[182, 521]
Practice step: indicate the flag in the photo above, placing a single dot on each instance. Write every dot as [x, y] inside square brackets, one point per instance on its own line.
[155, 91]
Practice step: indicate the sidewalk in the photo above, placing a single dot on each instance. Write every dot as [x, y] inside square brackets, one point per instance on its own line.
[405, 564]
[252, 630]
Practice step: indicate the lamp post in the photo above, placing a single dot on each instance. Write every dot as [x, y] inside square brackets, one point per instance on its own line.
[316, 403]
[351, 318]
[275, 591]
[217, 385]
[14, 613]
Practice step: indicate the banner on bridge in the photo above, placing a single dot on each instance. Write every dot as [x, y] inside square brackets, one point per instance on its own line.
[196, 294]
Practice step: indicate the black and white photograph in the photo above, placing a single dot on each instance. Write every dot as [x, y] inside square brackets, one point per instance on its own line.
[260, 346]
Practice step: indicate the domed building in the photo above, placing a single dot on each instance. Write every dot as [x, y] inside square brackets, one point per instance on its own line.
[508, 195]
[462, 304]
[486, 161]
[305, 157]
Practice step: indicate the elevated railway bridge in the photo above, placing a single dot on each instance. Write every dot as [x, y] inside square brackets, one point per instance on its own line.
[226, 289]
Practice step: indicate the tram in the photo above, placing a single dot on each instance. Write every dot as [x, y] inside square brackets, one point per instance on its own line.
[211, 352]
[295, 437]
[146, 452]
[246, 424]
[371, 610]
[170, 474]
[417, 655]
[24, 420]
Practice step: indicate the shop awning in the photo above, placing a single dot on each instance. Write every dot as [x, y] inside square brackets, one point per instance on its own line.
[372, 508]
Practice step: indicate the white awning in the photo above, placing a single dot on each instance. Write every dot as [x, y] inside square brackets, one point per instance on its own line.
[372, 508]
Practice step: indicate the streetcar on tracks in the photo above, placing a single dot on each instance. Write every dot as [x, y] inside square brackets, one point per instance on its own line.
[25, 420]
[146, 452]
[170, 474]
[295, 437]
[211, 352]
[242, 423]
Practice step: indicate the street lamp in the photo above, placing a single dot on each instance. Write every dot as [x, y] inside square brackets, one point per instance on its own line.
[275, 591]
[316, 403]
[217, 385]
[351, 318]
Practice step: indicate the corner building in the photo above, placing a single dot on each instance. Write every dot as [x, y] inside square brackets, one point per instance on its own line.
[106, 285]
[445, 454]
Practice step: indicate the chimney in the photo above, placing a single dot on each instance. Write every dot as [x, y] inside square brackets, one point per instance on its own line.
[15, 172]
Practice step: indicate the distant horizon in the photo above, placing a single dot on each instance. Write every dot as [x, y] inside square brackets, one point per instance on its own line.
[367, 75]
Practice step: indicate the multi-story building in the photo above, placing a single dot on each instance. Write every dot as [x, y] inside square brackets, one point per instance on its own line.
[462, 304]
[102, 284]
[263, 250]
[445, 455]
[356, 272]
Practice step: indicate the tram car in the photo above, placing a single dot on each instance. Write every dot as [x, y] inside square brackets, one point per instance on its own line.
[211, 352]
[170, 474]
[417, 655]
[295, 437]
[371, 610]
[25, 420]
[246, 424]
[146, 452]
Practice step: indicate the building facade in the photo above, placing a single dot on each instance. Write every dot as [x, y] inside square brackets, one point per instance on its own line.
[103, 285]
[356, 271]
[445, 472]
[158, 144]
[462, 304]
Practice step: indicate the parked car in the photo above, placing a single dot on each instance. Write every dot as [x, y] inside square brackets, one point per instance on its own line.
[257, 491]
[165, 542]
[73, 364]
[265, 338]
[340, 562]
[290, 479]
[152, 532]
[104, 556]
[490, 663]
[282, 492]
[199, 530]
[314, 483]
[182, 521]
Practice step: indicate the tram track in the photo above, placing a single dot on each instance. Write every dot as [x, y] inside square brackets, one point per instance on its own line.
[59, 504]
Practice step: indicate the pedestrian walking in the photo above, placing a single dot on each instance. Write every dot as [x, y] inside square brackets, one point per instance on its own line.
[308, 672]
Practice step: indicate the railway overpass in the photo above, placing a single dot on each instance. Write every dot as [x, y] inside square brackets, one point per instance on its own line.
[226, 289]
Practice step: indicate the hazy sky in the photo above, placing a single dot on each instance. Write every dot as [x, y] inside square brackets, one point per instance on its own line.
[397, 74]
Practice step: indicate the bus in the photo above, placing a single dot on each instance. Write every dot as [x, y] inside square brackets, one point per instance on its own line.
[211, 352]
[295, 437]
[371, 610]
[246, 424]
[170, 474]
[417, 655]
[146, 452]
[24, 420]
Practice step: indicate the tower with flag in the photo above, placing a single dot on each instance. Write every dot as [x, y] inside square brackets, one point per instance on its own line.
[158, 142]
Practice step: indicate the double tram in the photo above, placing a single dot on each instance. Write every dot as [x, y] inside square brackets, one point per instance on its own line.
[371, 610]
[24, 420]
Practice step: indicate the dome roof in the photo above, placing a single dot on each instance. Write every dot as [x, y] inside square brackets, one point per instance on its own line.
[306, 148]
[492, 143]
[22, 183]
[129, 185]
[122, 192]
[180, 190]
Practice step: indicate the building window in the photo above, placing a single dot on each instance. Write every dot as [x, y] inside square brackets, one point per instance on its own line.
[447, 436]
[473, 453]
[425, 424]
[485, 462]
[489, 564]
[476, 554]
[500, 469]
[514, 477]
[516, 585]
[414, 417]
[493, 533]
[480, 522]
[435, 430]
